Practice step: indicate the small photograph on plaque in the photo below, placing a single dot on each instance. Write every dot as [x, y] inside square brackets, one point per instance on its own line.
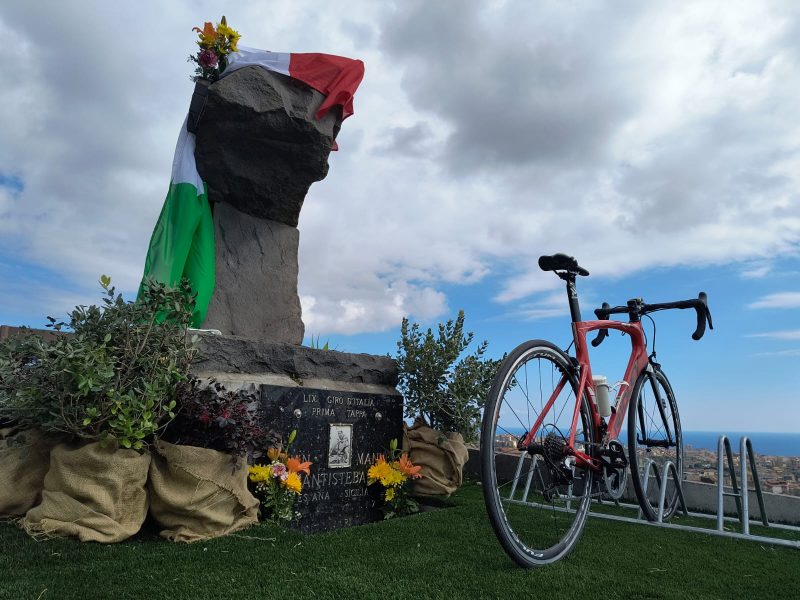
[340, 445]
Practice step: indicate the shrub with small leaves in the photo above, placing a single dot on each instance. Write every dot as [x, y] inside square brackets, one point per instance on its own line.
[446, 394]
[113, 376]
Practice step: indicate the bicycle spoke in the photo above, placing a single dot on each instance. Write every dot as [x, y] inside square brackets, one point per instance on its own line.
[539, 501]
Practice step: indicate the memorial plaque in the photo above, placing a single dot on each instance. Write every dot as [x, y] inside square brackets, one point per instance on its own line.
[341, 433]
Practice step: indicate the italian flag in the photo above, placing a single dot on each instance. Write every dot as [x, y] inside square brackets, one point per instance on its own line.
[336, 77]
[182, 244]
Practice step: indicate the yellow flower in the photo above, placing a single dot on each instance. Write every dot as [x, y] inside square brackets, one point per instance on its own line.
[227, 32]
[259, 473]
[389, 495]
[392, 477]
[379, 470]
[293, 483]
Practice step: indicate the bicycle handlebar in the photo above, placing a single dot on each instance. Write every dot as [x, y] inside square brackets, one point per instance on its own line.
[636, 309]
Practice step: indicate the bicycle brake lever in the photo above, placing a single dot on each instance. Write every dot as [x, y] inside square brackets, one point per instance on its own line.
[601, 314]
[702, 315]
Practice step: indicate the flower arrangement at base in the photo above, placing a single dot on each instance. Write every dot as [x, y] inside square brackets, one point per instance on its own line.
[393, 476]
[216, 43]
[278, 483]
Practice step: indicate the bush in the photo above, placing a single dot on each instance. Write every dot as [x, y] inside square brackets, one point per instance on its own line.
[213, 417]
[448, 395]
[113, 376]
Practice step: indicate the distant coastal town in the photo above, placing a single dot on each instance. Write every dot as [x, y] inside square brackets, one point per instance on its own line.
[777, 474]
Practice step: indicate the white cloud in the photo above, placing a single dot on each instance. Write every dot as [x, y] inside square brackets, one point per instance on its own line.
[780, 353]
[756, 270]
[482, 138]
[778, 335]
[777, 300]
[376, 312]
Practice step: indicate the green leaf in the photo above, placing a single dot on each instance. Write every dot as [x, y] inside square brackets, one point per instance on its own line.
[86, 421]
[125, 442]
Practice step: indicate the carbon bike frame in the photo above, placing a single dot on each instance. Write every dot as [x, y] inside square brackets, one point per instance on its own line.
[637, 363]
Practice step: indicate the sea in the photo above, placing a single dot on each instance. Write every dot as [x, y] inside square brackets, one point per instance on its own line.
[769, 444]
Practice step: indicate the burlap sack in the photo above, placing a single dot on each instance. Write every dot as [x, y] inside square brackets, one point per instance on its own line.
[24, 461]
[195, 494]
[95, 494]
[441, 456]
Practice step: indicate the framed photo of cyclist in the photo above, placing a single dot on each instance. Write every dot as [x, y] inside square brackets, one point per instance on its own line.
[340, 445]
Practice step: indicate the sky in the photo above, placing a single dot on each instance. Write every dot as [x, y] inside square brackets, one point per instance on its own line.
[656, 142]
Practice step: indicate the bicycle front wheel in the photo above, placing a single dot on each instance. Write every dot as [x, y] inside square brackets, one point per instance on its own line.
[538, 501]
[654, 439]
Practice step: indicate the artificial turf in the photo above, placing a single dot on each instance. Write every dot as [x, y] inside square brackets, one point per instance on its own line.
[449, 553]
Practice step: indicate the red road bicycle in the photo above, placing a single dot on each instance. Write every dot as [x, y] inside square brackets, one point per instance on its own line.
[551, 441]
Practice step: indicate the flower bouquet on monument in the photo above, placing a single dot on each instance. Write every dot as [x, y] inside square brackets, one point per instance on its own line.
[215, 44]
[393, 475]
[278, 482]
[104, 383]
[198, 480]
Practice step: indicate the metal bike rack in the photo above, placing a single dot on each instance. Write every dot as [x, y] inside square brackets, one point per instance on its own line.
[741, 497]
[669, 469]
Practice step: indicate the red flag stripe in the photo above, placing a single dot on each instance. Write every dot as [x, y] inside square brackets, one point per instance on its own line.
[336, 77]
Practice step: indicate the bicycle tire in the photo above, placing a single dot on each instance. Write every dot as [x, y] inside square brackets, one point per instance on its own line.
[544, 524]
[643, 414]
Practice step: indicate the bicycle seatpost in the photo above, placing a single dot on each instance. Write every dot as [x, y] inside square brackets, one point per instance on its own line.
[572, 295]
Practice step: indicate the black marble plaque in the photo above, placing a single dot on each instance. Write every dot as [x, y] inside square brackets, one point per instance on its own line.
[341, 433]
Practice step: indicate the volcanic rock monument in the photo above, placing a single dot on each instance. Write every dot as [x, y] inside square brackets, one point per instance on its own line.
[259, 149]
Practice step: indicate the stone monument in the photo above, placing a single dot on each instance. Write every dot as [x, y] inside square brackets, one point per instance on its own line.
[259, 149]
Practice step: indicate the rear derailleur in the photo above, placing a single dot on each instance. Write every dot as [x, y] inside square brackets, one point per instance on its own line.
[559, 465]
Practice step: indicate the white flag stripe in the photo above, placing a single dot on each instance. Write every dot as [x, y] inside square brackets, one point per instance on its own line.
[184, 167]
[245, 57]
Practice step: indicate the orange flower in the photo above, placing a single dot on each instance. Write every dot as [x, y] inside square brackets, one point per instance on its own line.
[207, 35]
[295, 466]
[407, 468]
[273, 454]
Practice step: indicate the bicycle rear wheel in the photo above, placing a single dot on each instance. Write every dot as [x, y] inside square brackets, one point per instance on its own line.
[654, 434]
[537, 503]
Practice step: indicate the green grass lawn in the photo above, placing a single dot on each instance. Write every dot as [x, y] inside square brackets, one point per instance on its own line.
[449, 553]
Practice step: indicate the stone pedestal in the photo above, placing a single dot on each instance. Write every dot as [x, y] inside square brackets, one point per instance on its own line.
[256, 278]
[344, 407]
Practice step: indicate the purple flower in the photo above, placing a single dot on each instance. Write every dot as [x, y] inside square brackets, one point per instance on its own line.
[279, 471]
[208, 59]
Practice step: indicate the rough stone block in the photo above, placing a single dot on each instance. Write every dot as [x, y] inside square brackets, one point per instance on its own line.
[259, 146]
[256, 278]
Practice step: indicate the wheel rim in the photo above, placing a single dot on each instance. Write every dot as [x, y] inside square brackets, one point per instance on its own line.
[541, 510]
[647, 422]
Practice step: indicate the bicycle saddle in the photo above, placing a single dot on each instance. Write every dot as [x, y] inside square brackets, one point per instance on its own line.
[561, 262]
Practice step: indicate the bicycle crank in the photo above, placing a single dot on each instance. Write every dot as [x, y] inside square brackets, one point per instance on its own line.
[615, 469]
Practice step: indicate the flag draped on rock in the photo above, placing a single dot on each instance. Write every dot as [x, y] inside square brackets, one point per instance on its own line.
[182, 244]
